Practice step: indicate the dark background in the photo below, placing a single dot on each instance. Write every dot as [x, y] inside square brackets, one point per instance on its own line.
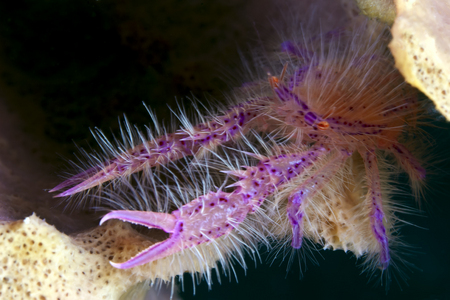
[67, 66]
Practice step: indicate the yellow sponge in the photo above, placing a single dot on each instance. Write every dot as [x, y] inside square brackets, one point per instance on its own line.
[421, 48]
[39, 262]
[383, 10]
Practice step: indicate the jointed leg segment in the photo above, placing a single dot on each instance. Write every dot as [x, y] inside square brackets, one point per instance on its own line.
[170, 147]
[217, 213]
[298, 200]
[374, 199]
[408, 162]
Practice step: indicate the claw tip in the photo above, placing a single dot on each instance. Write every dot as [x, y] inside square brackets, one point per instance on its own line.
[117, 265]
[104, 219]
[60, 195]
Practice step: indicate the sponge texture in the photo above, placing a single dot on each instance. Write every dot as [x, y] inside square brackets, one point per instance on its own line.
[421, 49]
[383, 10]
[39, 262]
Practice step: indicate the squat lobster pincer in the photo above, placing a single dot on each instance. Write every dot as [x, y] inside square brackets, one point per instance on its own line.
[213, 215]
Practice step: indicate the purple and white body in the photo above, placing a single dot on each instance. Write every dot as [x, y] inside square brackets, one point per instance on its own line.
[326, 125]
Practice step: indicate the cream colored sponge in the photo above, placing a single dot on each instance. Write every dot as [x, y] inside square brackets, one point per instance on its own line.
[39, 262]
[421, 48]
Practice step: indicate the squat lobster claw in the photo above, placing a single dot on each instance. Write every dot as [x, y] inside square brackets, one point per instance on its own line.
[213, 215]
[165, 222]
[188, 226]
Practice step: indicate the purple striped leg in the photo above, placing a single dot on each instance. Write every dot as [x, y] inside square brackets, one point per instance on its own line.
[376, 206]
[298, 200]
[170, 147]
[213, 215]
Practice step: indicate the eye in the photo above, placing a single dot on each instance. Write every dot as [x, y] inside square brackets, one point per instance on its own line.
[274, 81]
[323, 125]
